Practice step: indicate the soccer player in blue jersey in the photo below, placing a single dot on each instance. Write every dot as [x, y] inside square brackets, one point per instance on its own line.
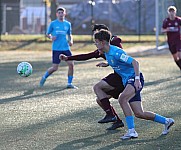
[130, 99]
[111, 84]
[57, 31]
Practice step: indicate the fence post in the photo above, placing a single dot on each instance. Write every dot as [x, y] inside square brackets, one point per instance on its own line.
[0, 19]
[157, 23]
[92, 3]
[45, 19]
[139, 19]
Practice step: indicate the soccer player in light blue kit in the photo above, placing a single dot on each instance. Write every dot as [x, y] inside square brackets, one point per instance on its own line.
[130, 99]
[58, 31]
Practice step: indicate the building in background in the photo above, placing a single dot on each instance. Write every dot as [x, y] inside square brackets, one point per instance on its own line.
[33, 18]
[10, 18]
[23, 16]
[122, 16]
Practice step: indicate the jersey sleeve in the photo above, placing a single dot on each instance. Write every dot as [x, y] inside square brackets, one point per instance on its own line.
[179, 18]
[123, 57]
[87, 56]
[164, 25]
[50, 28]
[69, 32]
[116, 41]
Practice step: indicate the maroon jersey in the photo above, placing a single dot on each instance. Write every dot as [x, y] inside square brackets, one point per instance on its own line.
[173, 35]
[94, 54]
[116, 41]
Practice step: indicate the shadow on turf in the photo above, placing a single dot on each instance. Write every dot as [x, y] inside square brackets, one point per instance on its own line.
[28, 94]
[85, 143]
[161, 81]
[81, 143]
[24, 44]
[97, 141]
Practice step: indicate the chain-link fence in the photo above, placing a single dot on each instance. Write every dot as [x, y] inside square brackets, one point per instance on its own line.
[122, 16]
[23, 18]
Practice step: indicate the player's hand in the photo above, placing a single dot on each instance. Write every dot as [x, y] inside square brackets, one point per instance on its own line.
[137, 84]
[53, 38]
[168, 29]
[102, 64]
[63, 57]
[70, 43]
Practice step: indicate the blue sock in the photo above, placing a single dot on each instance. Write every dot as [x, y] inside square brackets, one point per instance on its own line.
[130, 122]
[160, 119]
[46, 75]
[70, 78]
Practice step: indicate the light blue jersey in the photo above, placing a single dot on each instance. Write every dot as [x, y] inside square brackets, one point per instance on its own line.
[120, 62]
[60, 30]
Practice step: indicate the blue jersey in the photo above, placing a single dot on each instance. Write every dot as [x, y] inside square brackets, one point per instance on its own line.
[120, 62]
[60, 30]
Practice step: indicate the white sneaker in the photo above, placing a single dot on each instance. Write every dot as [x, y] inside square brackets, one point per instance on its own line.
[71, 86]
[169, 123]
[130, 134]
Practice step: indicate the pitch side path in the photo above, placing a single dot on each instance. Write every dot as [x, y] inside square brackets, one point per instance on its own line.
[56, 118]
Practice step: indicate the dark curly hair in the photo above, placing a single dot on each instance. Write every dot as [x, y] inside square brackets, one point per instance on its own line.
[103, 35]
[99, 27]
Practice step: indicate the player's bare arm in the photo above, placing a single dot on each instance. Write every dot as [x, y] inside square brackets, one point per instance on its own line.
[164, 30]
[87, 56]
[137, 83]
[70, 40]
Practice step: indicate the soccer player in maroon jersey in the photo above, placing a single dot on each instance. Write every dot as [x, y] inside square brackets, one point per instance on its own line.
[171, 26]
[112, 84]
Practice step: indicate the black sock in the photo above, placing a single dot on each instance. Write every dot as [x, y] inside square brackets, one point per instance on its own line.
[178, 63]
[113, 110]
[107, 107]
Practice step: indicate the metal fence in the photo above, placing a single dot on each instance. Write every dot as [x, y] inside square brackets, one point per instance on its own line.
[19, 19]
[122, 16]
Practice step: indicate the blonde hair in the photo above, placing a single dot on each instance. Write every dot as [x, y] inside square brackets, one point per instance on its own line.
[172, 8]
[61, 9]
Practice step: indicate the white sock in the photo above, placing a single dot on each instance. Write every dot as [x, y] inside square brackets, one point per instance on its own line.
[166, 120]
[132, 130]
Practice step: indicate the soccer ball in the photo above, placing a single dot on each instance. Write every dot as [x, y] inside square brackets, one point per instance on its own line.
[24, 69]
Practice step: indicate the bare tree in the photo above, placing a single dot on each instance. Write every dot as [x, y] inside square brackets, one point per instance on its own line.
[53, 9]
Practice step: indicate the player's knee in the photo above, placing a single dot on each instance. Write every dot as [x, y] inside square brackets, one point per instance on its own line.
[121, 102]
[122, 99]
[98, 101]
[95, 88]
[175, 57]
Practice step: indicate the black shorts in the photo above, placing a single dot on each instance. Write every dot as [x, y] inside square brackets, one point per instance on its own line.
[174, 47]
[115, 81]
